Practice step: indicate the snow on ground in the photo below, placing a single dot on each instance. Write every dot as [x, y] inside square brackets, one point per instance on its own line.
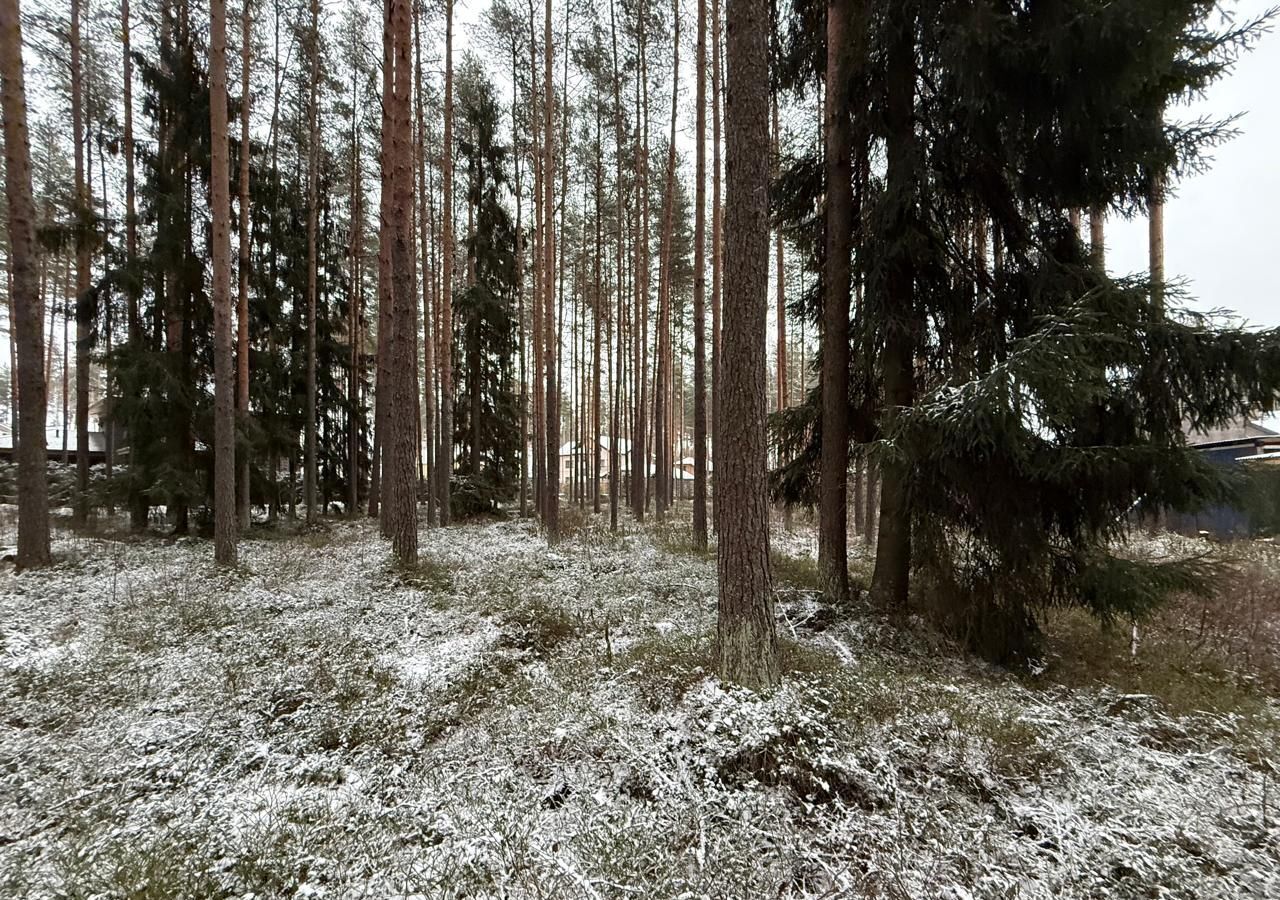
[509, 720]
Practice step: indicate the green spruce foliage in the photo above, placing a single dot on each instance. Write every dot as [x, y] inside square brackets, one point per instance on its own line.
[1051, 398]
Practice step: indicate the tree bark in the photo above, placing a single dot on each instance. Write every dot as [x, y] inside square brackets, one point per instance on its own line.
[890, 581]
[444, 459]
[424, 219]
[1097, 233]
[699, 293]
[401, 498]
[551, 514]
[662, 385]
[242, 304]
[313, 192]
[833, 567]
[224, 421]
[84, 316]
[33, 489]
[746, 635]
[717, 259]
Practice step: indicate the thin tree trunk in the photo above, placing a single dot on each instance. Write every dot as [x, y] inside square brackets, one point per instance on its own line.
[717, 258]
[383, 383]
[699, 293]
[424, 218]
[615, 462]
[27, 330]
[242, 305]
[662, 386]
[746, 636]
[84, 322]
[444, 459]
[551, 515]
[891, 579]
[833, 566]
[1097, 244]
[597, 314]
[639, 334]
[313, 191]
[224, 442]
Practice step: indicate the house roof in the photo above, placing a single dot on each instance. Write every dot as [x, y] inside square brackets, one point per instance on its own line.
[570, 448]
[1244, 430]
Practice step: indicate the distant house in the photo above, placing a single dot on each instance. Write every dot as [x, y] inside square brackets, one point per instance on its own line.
[55, 439]
[576, 456]
[1245, 444]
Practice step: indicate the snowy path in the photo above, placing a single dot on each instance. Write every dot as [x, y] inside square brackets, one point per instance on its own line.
[511, 721]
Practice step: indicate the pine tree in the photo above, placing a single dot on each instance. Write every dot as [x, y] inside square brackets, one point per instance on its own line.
[444, 458]
[220, 184]
[33, 490]
[833, 523]
[83, 229]
[699, 294]
[242, 301]
[746, 636]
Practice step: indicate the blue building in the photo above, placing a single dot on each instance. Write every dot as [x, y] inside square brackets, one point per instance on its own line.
[1245, 444]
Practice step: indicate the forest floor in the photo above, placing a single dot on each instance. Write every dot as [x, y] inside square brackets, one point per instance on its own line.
[509, 720]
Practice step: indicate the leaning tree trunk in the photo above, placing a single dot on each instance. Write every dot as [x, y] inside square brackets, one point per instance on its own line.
[833, 565]
[224, 420]
[33, 488]
[746, 636]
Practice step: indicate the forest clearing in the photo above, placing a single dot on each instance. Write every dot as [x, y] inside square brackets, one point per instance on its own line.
[509, 720]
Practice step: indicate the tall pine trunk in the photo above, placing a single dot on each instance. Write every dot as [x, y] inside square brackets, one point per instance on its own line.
[699, 293]
[313, 263]
[838, 287]
[891, 579]
[84, 316]
[224, 421]
[717, 259]
[27, 331]
[444, 459]
[424, 237]
[400, 486]
[242, 300]
[746, 635]
[551, 513]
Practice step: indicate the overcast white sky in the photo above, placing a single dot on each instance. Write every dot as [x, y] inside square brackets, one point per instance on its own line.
[1220, 234]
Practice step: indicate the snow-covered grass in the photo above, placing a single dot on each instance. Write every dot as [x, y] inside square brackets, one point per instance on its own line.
[513, 720]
